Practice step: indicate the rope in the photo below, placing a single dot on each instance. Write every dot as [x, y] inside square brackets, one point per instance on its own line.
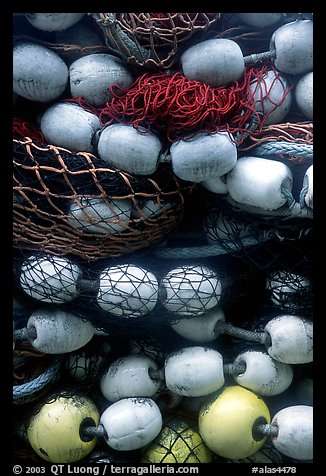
[205, 251]
[283, 148]
[259, 57]
[181, 106]
[252, 336]
[234, 368]
[25, 333]
[94, 431]
[303, 194]
[287, 195]
[267, 429]
[123, 41]
[34, 386]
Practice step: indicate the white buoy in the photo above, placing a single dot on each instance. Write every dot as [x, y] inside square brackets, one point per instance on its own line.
[259, 182]
[127, 290]
[190, 290]
[293, 45]
[259, 20]
[263, 375]
[131, 423]
[291, 339]
[129, 377]
[39, 74]
[49, 278]
[53, 21]
[92, 75]
[201, 329]
[133, 150]
[295, 432]
[194, 371]
[69, 125]
[203, 156]
[308, 186]
[272, 96]
[216, 62]
[58, 332]
[283, 286]
[304, 95]
[98, 215]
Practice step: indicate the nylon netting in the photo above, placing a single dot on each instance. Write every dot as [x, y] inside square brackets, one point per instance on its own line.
[68, 202]
[178, 106]
[122, 297]
[175, 445]
[151, 39]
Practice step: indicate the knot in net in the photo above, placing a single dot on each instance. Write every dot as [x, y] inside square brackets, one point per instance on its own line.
[179, 106]
[151, 39]
[73, 203]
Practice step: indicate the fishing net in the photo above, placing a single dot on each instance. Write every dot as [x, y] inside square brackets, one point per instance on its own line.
[300, 132]
[131, 298]
[151, 39]
[110, 247]
[276, 245]
[156, 40]
[70, 44]
[178, 106]
[178, 442]
[73, 203]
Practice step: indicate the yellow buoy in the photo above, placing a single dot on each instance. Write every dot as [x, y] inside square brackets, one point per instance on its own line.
[178, 442]
[54, 430]
[226, 422]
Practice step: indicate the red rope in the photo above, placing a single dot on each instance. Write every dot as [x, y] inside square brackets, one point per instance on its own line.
[22, 128]
[180, 106]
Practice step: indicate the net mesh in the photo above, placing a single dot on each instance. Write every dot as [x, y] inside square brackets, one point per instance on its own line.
[151, 39]
[179, 106]
[72, 203]
[136, 299]
[300, 132]
[178, 442]
[264, 242]
[270, 259]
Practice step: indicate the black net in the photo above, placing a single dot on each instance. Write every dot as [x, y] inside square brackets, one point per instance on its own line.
[67, 203]
[178, 442]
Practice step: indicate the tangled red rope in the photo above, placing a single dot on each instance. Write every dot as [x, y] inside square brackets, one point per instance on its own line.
[23, 128]
[179, 105]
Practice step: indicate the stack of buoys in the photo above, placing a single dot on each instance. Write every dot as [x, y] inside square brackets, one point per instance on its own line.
[163, 201]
